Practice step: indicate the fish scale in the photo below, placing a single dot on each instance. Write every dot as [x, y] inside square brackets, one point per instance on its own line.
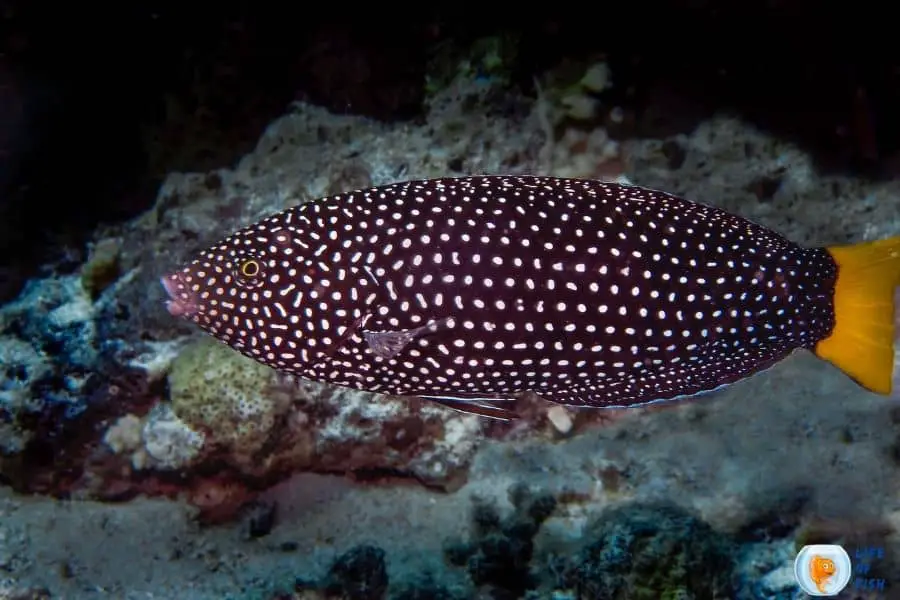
[476, 289]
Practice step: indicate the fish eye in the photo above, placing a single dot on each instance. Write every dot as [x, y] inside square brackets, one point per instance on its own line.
[249, 272]
[250, 268]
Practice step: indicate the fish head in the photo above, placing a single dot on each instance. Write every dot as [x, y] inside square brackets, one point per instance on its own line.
[240, 288]
[209, 285]
[822, 567]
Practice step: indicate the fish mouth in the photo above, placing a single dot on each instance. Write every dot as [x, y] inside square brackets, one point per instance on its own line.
[181, 302]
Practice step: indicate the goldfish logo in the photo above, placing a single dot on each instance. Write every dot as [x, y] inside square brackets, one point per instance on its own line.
[822, 569]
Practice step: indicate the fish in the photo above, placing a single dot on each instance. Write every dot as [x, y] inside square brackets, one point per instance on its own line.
[472, 291]
[821, 569]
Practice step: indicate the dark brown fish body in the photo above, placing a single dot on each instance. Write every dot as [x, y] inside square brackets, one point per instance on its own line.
[587, 293]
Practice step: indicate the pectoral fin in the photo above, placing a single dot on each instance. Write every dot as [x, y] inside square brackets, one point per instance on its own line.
[389, 343]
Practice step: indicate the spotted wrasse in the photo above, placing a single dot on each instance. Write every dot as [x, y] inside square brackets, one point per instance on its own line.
[470, 291]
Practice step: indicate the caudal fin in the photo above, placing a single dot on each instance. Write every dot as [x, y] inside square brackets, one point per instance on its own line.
[862, 341]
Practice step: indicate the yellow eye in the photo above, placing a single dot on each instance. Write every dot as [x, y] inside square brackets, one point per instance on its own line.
[250, 268]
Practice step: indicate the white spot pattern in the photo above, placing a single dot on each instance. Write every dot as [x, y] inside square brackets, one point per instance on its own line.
[585, 292]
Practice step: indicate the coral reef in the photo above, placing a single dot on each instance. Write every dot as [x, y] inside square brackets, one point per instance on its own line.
[49, 350]
[236, 428]
[499, 554]
[229, 397]
[102, 267]
[359, 574]
[651, 552]
[423, 588]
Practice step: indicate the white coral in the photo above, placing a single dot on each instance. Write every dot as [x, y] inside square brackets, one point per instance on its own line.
[125, 435]
[168, 442]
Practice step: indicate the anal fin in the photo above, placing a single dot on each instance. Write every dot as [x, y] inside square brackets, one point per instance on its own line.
[489, 408]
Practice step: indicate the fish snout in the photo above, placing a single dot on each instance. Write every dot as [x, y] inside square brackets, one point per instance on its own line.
[182, 301]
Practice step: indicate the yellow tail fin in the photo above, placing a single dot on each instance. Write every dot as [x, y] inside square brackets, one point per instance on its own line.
[862, 341]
